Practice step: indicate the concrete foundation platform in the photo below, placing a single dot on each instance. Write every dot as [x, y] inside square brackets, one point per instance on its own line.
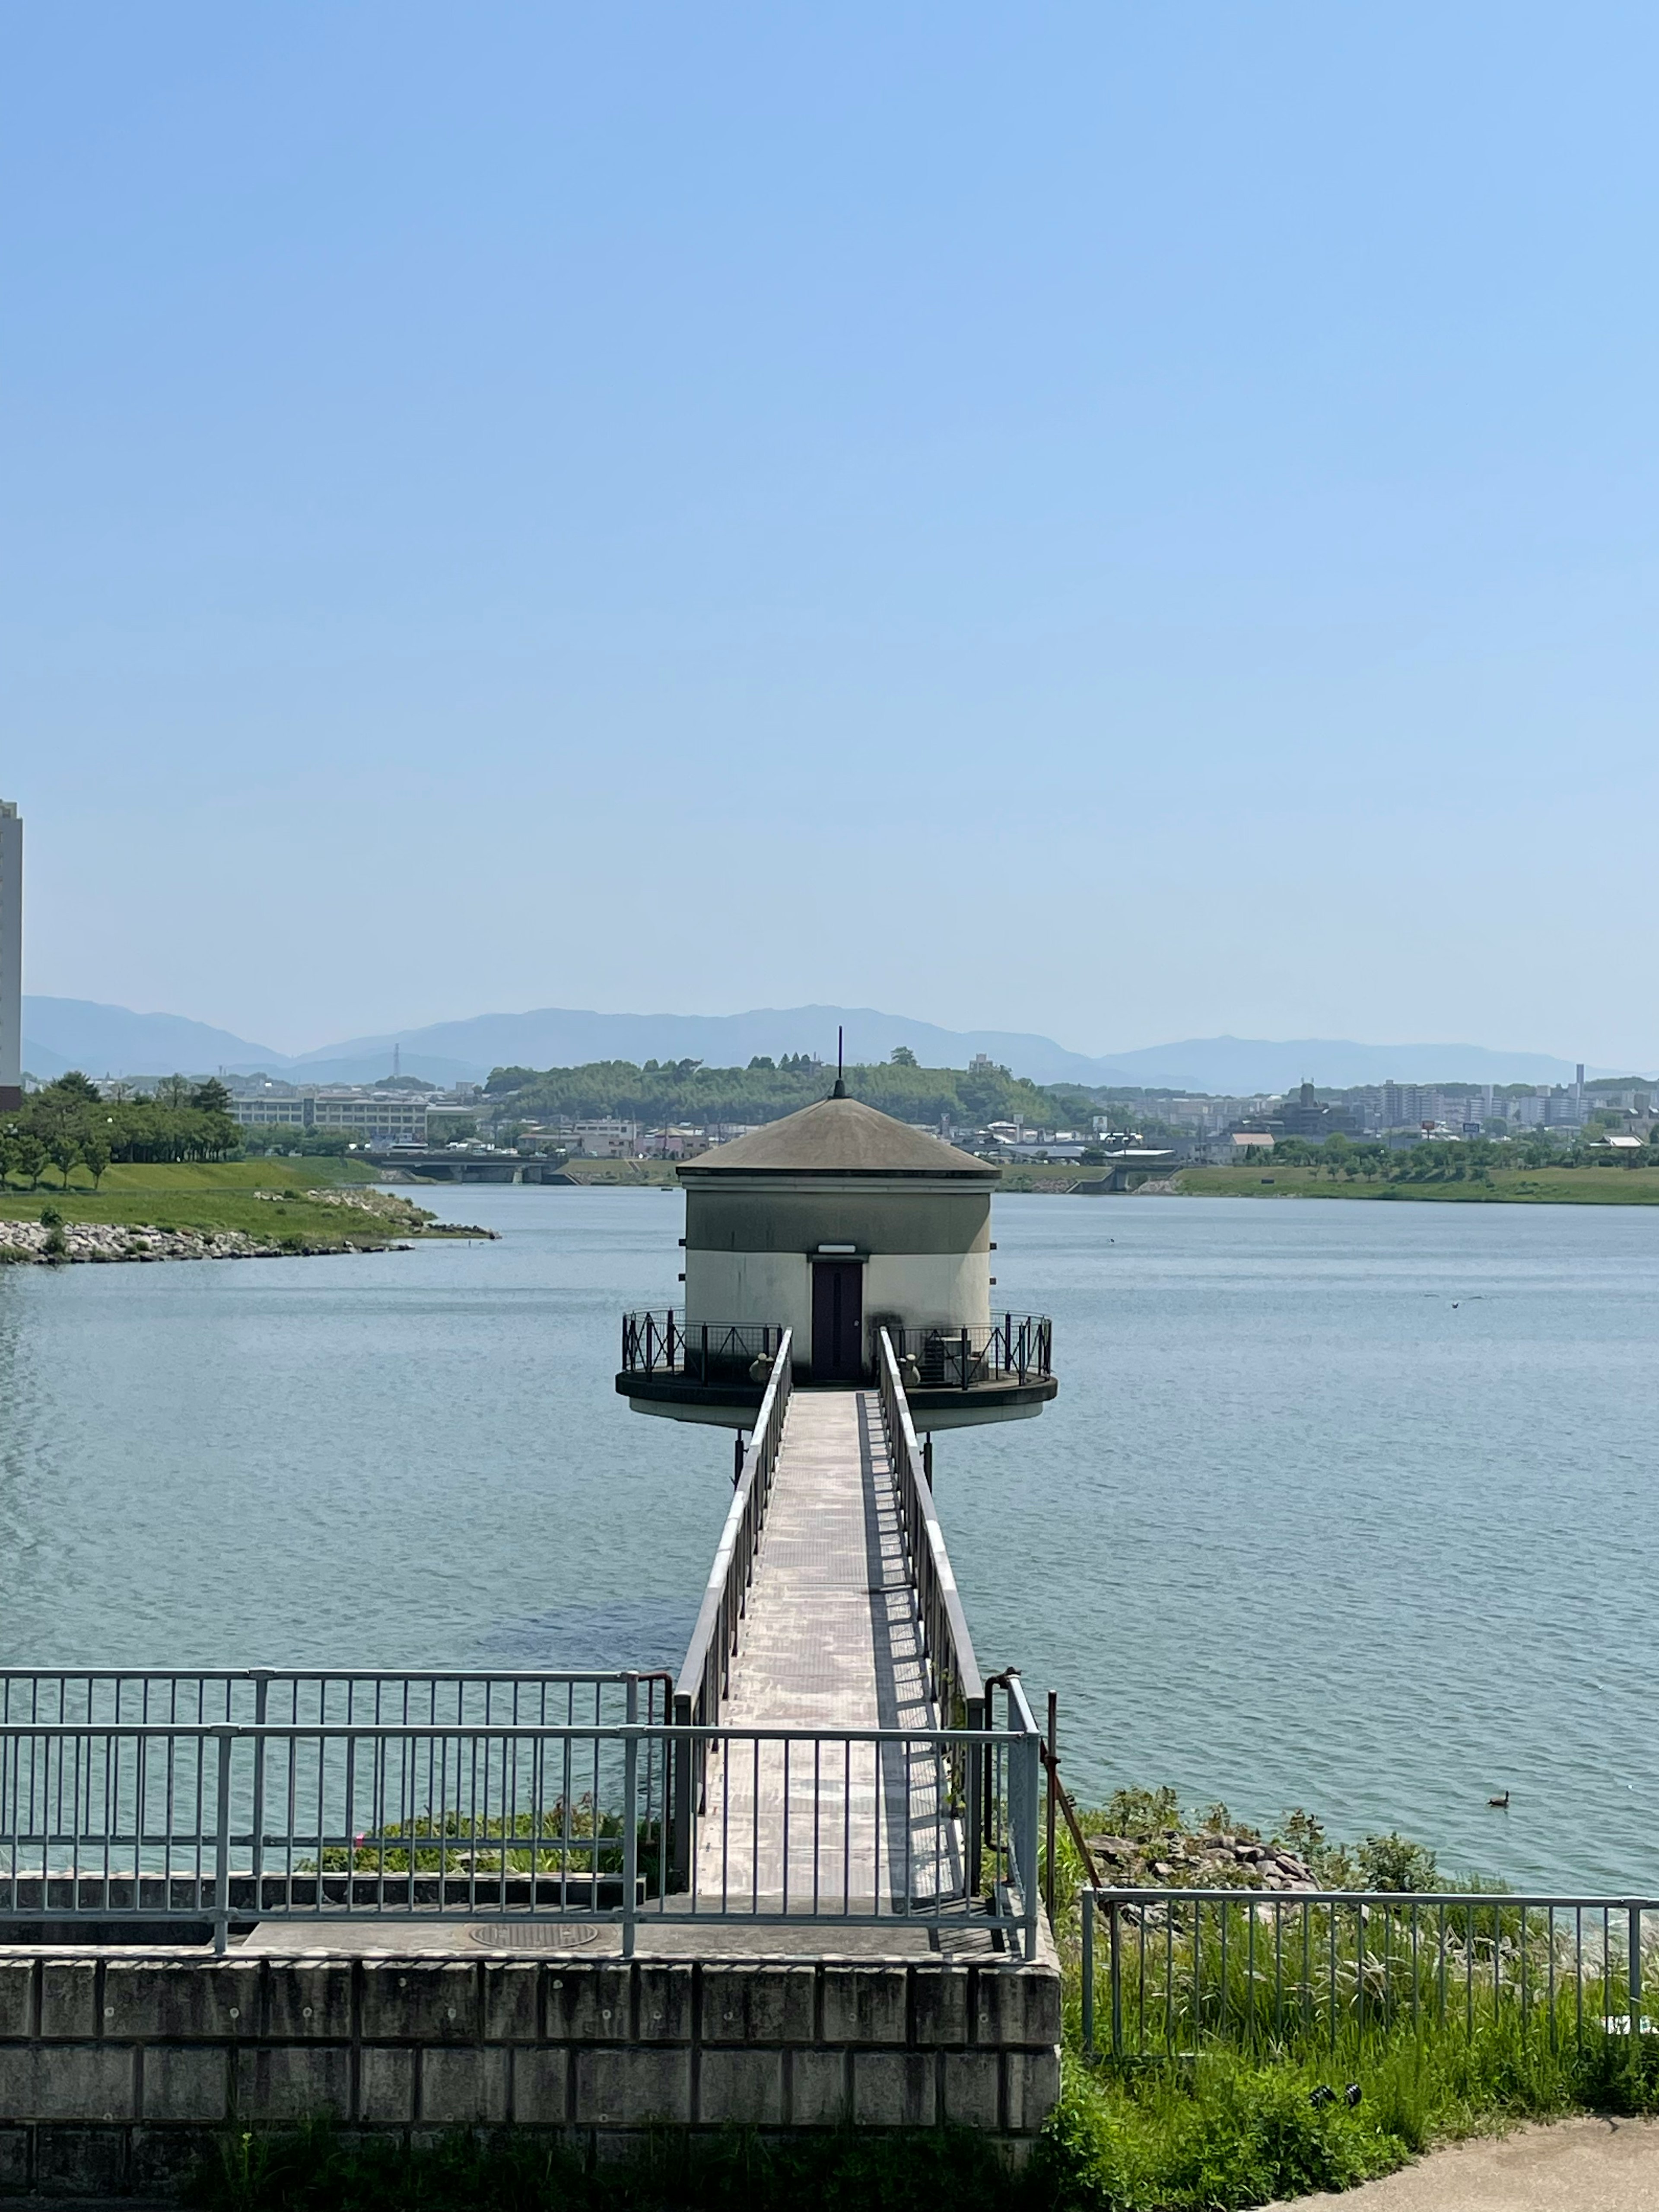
[119, 2068]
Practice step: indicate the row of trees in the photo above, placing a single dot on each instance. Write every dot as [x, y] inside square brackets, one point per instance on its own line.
[70, 1125]
[686, 1090]
[1449, 1160]
[288, 1137]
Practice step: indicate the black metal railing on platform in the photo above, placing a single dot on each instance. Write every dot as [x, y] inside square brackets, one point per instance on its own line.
[662, 1342]
[1016, 1348]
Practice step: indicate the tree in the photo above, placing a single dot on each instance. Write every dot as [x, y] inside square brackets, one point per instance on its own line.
[94, 1152]
[63, 1148]
[56, 1117]
[174, 1090]
[210, 1097]
[74, 1086]
[31, 1156]
[901, 1056]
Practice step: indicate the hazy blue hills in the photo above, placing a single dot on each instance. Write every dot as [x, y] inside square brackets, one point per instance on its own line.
[59, 1034]
[63, 1033]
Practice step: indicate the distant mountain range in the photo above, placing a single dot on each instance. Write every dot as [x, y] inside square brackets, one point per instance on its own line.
[64, 1033]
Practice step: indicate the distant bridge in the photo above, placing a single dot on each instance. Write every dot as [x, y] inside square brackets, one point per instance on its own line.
[476, 1167]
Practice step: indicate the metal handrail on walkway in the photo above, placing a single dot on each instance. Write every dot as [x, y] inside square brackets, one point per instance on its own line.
[706, 1671]
[226, 1825]
[959, 1687]
[999, 1813]
[1255, 1968]
[459, 1697]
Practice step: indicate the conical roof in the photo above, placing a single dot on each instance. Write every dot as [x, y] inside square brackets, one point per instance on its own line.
[839, 1137]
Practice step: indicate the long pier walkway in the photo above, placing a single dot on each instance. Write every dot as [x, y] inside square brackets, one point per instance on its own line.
[830, 1641]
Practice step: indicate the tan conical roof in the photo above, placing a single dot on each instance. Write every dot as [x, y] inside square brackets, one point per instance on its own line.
[839, 1137]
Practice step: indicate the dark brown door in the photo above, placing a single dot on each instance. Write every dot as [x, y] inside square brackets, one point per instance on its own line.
[837, 1322]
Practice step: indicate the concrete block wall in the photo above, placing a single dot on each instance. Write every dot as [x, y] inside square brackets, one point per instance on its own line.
[116, 2073]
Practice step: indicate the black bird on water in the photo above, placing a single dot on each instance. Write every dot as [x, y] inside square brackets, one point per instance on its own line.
[1502, 1802]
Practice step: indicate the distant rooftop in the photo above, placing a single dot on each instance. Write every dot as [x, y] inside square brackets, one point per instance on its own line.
[838, 1136]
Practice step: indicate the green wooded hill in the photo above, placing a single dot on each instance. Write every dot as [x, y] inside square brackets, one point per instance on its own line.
[685, 1091]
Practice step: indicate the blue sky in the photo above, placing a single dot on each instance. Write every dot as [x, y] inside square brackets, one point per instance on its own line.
[1124, 521]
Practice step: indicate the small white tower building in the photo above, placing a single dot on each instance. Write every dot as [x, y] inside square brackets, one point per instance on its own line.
[832, 1223]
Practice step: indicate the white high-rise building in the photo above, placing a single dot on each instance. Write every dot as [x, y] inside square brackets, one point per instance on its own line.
[11, 955]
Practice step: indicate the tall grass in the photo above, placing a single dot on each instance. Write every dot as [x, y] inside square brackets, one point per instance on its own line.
[1231, 2128]
[1268, 2046]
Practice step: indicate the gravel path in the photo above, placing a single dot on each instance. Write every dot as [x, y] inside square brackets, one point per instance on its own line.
[1577, 2166]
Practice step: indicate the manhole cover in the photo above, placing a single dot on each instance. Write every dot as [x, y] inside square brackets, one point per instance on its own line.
[533, 1935]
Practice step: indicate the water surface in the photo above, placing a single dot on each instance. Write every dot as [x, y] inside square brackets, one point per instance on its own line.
[1343, 1505]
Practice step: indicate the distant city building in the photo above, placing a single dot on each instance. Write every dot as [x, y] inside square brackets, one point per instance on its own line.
[606, 1138]
[383, 1117]
[373, 1117]
[264, 1112]
[1307, 1115]
[11, 955]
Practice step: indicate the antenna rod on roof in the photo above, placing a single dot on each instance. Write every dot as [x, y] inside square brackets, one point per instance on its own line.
[840, 1091]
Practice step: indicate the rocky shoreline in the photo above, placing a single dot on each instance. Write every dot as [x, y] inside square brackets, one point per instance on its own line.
[1177, 1861]
[24, 1243]
[382, 1220]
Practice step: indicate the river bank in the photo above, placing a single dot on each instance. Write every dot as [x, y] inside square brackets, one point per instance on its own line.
[234, 1210]
[1616, 1185]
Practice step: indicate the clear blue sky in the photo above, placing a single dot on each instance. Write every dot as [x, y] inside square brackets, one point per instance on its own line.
[1127, 521]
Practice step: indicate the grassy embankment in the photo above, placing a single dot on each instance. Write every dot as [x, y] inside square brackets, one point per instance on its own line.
[1507, 1186]
[220, 1195]
[1265, 2112]
[622, 1174]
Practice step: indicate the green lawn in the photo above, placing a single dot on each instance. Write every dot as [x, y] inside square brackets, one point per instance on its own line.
[220, 1195]
[637, 1175]
[222, 1176]
[1511, 1186]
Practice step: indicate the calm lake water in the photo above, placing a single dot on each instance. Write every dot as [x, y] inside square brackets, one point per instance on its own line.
[1342, 1505]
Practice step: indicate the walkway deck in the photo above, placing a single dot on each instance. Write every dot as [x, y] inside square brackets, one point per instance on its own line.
[830, 1641]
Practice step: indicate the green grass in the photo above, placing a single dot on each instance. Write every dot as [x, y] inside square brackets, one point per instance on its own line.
[219, 1195]
[1512, 1186]
[165, 1209]
[1222, 2095]
[1029, 1175]
[220, 1174]
[632, 1174]
[1227, 2128]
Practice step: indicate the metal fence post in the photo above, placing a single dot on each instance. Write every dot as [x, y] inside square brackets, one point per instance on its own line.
[1633, 1982]
[225, 1736]
[630, 1853]
[681, 1790]
[261, 1709]
[1052, 1807]
[1114, 1930]
[1030, 1893]
[973, 1719]
[1088, 1973]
